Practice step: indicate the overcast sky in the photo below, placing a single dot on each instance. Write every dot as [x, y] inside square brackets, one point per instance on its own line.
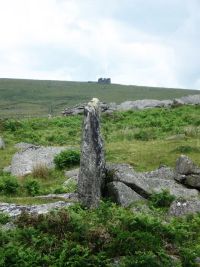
[142, 42]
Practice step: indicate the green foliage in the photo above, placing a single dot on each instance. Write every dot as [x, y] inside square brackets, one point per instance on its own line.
[36, 98]
[8, 184]
[4, 218]
[162, 200]
[187, 149]
[67, 158]
[101, 237]
[32, 186]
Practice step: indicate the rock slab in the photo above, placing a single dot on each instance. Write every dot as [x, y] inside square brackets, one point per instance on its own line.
[92, 163]
[31, 156]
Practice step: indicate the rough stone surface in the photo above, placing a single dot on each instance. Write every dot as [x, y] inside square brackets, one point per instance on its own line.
[31, 156]
[72, 173]
[147, 183]
[143, 104]
[122, 194]
[92, 163]
[190, 99]
[79, 109]
[72, 177]
[185, 165]
[137, 105]
[2, 143]
[184, 207]
[14, 210]
[192, 180]
[67, 196]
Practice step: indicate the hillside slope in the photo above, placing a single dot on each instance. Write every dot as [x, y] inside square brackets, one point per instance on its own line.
[20, 97]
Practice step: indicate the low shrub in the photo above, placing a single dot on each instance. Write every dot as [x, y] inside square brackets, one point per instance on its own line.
[32, 186]
[67, 158]
[162, 199]
[8, 184]
[4, 218]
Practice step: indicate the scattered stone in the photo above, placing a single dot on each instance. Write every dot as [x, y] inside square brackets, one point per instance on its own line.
[92, 164]
[122, 194]
[2, 143]
[79, 109]
[72, 173]
[66, 196]
[184, 207]
[144, 104]
[185, 165]
[137, 105]
[149, 182]
[31, 156]
[192, 180]
[14, 210]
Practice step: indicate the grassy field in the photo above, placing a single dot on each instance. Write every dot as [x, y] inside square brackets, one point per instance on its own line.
[100, 237]
[38, 98]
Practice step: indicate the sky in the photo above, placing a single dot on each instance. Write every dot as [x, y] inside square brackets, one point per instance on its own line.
[140, 42]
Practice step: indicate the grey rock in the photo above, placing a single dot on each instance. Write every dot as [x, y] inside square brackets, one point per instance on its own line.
[7, 169]
[184, 207]
[122, 194]
[24, 146]
[73, 177]
[176, 137]
[149, 182]
[25, 160]
[190, 99]
[192, 180]
[79, 109]
[66, 196]
[2, 143]
[14, 210]
[72, 173]
[92, 163]
[185, 165]
[144, 104]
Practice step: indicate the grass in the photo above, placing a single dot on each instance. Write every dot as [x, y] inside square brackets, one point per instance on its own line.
[28, 200]
[81, 237]
[20, 97]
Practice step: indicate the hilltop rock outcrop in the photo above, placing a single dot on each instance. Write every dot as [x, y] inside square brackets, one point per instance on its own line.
[137, 105]
[92, 163]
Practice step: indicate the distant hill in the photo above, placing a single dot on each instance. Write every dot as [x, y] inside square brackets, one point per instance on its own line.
[19, 97]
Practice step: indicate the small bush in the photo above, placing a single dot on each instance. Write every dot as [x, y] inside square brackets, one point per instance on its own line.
[67, 158]
[9, 185]
[187, 149]
[40, 171]
[32, 186]
[145, 135]
[4, 218]
[162, 199]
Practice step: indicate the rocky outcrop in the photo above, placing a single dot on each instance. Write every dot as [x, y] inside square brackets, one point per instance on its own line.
[79, 109]
[184, 207]
[92, 162]
[122, 194]
[144, 104]
[14, 210]
[137, 105]
[2, 143]
[31, 156]
[187, 172]
[147, 183]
